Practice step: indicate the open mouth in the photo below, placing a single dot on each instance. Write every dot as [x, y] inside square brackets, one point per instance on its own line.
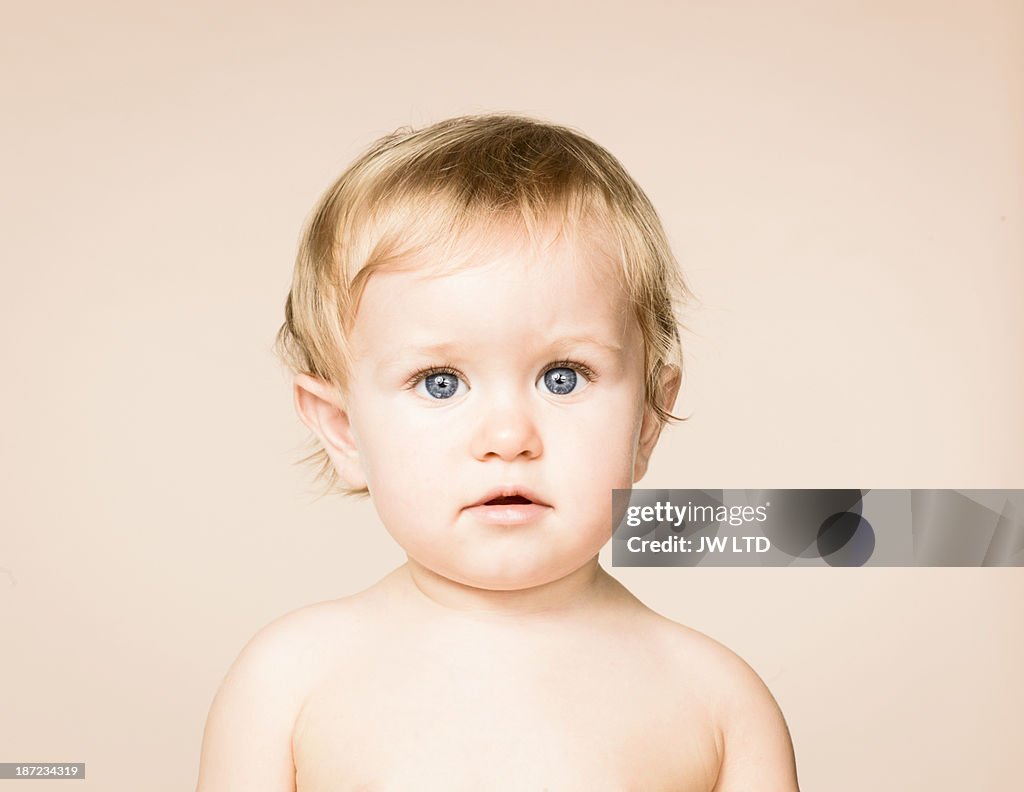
[509, 510]
[507, 500]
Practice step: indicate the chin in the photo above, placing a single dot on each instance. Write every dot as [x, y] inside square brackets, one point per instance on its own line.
[508, 576]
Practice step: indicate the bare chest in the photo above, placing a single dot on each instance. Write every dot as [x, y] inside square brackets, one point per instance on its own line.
[589, 722]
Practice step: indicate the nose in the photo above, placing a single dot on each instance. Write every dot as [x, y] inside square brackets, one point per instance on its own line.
[508, 431]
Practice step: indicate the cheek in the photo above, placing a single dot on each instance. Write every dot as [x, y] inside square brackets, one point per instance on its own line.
[603, 449]
[617, 462]
[406, 461]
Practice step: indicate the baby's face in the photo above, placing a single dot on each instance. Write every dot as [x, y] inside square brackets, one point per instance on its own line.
[519, 372]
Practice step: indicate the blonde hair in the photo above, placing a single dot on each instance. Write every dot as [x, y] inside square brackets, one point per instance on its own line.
[416, 192]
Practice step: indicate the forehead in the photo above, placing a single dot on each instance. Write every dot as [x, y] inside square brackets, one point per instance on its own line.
[585, 246]
[500, 289]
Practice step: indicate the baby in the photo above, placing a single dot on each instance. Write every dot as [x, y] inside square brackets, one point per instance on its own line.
[482, 326]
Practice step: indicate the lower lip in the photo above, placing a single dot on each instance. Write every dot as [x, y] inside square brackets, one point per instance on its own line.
[508, 513]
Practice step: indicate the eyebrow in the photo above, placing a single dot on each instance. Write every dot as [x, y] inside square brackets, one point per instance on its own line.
[448, 347]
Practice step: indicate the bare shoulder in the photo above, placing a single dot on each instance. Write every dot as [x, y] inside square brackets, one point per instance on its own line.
[754, 742]
[247, 739]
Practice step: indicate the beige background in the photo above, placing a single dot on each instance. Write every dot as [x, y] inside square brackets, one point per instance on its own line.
[843, 182]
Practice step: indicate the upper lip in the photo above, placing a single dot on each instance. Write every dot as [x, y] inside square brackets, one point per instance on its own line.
[508, 492]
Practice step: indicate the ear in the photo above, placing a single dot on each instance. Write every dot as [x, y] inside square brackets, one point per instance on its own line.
[321, 408]
[670, 378]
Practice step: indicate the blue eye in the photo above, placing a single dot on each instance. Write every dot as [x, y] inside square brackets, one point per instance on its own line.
[562, 380]
[441, 384]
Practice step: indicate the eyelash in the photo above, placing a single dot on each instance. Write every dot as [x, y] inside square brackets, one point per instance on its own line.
[419, 376]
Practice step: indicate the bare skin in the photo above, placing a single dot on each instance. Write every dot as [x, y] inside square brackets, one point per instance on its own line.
[413, 685]
[451, 700]
[500, 656]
